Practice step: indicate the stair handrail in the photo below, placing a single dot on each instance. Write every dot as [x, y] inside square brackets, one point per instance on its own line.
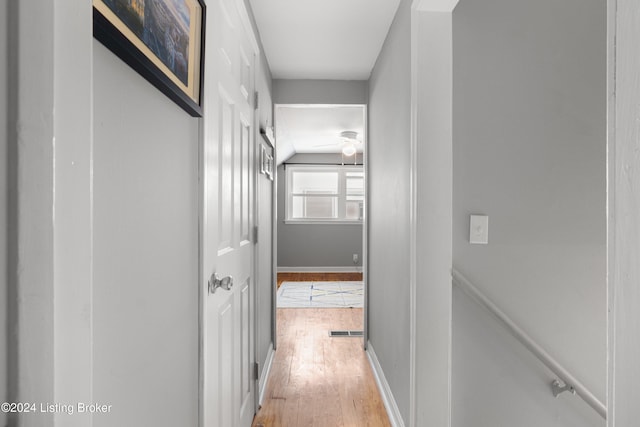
[570, 382]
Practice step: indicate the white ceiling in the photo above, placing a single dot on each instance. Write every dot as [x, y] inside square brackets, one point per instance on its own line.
[323, 39]
[316, 128]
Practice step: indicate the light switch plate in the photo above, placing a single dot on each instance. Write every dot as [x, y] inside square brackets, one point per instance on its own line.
[479, 229]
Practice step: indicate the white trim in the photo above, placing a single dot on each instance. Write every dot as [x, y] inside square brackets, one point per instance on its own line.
[202, 276]
[385, 391]
[280, 104]
[349, 269]
[326, 222]
[413, 225]
[248, 28]
[623, 191]
[612, 278]
[431, 216]
[274, 253]
[340, 195]
[365, 232]
[434, 5]
[50, 233]
[264, 376]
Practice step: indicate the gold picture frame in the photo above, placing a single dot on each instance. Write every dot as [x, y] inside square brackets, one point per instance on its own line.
[163, 40]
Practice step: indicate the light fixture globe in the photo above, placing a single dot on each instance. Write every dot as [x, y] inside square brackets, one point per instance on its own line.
[349, 150]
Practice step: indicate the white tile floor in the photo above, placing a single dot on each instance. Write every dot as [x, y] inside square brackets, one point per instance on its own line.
[320, 294]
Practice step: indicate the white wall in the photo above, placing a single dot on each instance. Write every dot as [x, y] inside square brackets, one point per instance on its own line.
[529, 151]
[4, 178]
[319, 91]
[316, 245]
[146, 288]
[498, 382]
[389, 206]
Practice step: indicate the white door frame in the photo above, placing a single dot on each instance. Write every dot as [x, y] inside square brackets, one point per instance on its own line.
[365, 229]
[50, 228]
[623, 212]
[274, 246]
[431, 181]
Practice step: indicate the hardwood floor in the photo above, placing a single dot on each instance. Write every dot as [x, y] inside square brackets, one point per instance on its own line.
[317, 380]
[317, 277]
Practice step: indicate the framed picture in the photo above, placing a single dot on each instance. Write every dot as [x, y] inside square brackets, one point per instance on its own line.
[163, 40]
[266, 162]
[263, 160]
[270, 166]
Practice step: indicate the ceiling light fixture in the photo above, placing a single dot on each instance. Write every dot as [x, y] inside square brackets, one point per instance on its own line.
[350, 136]
[349, 150]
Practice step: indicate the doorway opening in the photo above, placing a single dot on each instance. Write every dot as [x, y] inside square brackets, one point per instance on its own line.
[320, 304]
[320, 219]
[321, 211]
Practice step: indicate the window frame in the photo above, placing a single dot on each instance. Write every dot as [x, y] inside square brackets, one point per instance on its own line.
[341, 195]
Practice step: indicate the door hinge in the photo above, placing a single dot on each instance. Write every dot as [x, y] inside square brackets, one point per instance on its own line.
[255, 371]
[255, 234]
[256, 98]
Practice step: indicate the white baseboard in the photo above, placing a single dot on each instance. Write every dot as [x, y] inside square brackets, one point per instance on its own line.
[387, 397]
[354, 269]
[264, 376]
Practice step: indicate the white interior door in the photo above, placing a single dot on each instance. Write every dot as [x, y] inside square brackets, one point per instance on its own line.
[228, 172]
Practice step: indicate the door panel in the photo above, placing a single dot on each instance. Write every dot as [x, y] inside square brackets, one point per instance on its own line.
[245, 175]
[225, 206]
[227, 246]
[225, 359]
[245, 380]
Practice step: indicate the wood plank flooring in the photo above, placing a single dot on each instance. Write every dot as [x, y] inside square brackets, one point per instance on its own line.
[317, 380]
[318, 277]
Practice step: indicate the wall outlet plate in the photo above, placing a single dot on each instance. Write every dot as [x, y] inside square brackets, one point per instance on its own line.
[479, 229]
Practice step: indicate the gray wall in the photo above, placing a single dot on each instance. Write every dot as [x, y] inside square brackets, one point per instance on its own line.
[388, 157]
[315, 245]
[319, 91]
[4, 177]
[529, 151]
[498, 382]
[146, 293]
[265, 277]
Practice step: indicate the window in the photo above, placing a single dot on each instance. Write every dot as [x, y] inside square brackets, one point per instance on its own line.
[324, 193]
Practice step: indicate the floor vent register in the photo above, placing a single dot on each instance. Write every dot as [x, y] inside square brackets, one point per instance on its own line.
[345, 333]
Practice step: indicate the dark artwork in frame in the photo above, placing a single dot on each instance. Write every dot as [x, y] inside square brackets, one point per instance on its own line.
[163, 40]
